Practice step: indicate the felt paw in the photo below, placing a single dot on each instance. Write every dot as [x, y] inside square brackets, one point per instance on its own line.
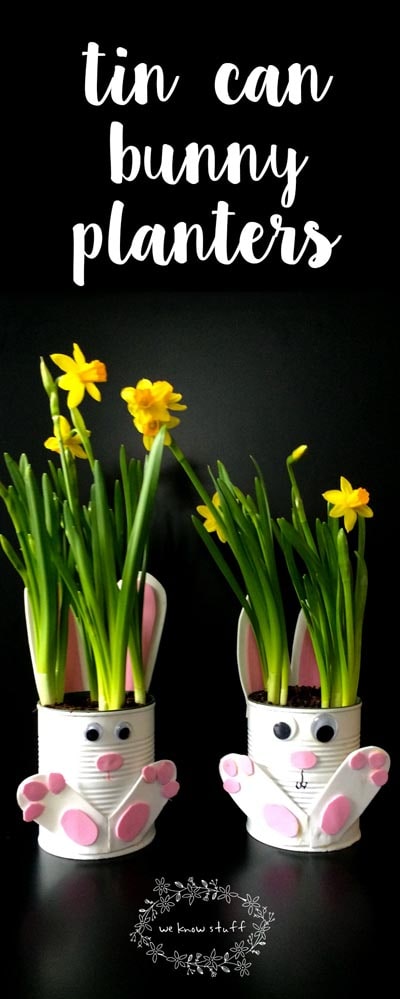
[346, 796]
[48, 800]
[34, 790]
[234, 771]
[133, 819]
[164, 773]
[260, 798]
[373, 763]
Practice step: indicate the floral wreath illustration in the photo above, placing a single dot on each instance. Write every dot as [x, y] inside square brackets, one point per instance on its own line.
[235, 957]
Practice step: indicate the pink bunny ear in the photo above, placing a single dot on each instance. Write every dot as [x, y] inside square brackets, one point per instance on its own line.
[247, 656]
[75, 667]
[304, 669]
[154, 610]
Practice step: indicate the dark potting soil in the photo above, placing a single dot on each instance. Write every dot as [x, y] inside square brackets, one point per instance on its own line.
[298, 697]
[81, 702]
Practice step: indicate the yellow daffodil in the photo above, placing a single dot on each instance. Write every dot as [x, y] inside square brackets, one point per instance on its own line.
[70, 439]
[149, 404]
[210, 522]
[80, 376]
[348, 503]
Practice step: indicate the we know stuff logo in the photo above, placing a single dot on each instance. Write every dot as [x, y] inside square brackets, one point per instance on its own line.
[203, 928]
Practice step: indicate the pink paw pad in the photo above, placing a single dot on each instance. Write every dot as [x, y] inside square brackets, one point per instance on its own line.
[335, 815]
[165, 772]
[132, 821]
[79, 827]
[171, 789]
[56, 783]
[32, 812]
[281, 819]
[35, 790]
[377, 759]
[230, 767]
[379, 777]
[358, 761]
[149, 773]
[231, 785]
[245, 764]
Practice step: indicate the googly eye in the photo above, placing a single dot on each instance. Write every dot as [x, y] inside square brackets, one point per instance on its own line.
[324, 728]
[123, 731]
[93, 732]
[285, 730]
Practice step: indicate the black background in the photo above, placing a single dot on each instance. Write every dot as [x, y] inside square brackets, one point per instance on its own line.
[266, 357]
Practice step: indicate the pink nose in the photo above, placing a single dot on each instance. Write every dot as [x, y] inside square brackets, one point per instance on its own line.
[110, 761]
[303, 760]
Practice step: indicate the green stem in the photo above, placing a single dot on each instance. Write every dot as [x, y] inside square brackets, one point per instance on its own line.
[300, 514]
[83, 432]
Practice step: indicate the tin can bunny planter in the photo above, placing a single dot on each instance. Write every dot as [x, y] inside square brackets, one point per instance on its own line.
[305, 781]
[99, 790]
[81, 550]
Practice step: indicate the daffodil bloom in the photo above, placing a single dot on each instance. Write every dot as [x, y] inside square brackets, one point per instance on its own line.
[81, 376]
[150, 430]
[70, 439]
[348, 503]
[210, 522]
[150, 404]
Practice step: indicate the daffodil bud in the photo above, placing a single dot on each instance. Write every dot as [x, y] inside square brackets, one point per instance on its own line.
[49, 384]
[297, 453]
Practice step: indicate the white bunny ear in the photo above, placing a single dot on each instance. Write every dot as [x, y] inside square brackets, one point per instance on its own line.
[247, 656]
[303, 667]
[154, 611]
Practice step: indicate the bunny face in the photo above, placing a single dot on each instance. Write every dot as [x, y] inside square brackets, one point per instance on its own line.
[301, 749]
[100, 754]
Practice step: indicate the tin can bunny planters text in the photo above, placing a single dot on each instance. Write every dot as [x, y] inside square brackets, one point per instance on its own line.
[305, 781]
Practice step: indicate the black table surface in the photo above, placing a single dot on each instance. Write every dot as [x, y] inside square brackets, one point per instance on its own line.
[330, 923]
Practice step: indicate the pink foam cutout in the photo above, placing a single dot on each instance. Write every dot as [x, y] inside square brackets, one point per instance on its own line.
[281, 819]
[56, 783]
[230, 767]
[132, 821]
[32, 812]
[377, 759]
[109, 762]
[35, 790]
[303, 760]
[149, 773]
[79, 827]
[165, 771]
[254, 673]
[148, 622]
[74, 679]
[335, 815]
[232, 786]
[247, 765]
[171, 789]
[308, 669]
[379, 777]
[358, 761]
